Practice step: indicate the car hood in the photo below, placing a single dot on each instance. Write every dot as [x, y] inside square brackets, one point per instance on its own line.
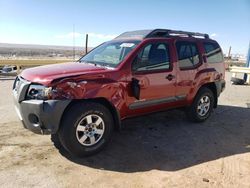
[45, 74]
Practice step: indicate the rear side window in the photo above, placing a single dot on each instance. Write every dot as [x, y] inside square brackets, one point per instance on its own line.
[213, 52]
[188, 55]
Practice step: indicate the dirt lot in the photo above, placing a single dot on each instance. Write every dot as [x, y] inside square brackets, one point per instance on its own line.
[160, 150]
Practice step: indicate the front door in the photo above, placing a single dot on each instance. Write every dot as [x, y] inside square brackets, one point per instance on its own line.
[154, 71]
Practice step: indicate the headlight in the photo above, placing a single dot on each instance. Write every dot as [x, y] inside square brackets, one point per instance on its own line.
[39, 92]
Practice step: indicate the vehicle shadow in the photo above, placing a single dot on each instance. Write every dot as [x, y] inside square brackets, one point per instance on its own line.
[168, 141]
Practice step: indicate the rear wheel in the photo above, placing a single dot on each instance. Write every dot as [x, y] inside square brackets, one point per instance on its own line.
[86, 128]
[202, 105]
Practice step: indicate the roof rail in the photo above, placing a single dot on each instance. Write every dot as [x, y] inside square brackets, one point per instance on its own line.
[142, 34]
[168, 32]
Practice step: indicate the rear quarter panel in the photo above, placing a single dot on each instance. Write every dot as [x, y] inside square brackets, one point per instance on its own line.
[207, 73]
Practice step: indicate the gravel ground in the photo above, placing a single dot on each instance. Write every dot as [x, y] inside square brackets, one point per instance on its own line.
[158, 150]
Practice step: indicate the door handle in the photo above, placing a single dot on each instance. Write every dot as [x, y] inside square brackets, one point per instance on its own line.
[170, 77]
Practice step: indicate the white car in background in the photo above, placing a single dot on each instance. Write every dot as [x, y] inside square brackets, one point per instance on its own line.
[9, 69]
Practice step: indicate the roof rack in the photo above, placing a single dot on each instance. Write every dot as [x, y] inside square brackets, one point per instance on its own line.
[167, 33]
[142, 34]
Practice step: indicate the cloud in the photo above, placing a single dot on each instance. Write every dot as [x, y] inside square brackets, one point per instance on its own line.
[92, 35]
[69, 35]
[101, 36]
[95, 39]
[213, 35]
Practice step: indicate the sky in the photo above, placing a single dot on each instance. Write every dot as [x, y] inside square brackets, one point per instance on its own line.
[51, 22]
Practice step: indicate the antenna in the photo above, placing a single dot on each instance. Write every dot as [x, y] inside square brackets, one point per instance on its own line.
[74, 50]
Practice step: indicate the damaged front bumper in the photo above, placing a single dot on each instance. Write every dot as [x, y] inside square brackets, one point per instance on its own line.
[39, 116]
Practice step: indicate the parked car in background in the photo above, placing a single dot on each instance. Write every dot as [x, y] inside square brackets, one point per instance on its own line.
[137, 73]
[9, 69]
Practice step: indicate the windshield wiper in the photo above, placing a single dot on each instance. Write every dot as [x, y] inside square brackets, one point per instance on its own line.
[97, 64]
[105, 65]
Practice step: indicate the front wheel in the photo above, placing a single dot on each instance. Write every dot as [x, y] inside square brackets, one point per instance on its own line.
[86, 128]
[202, 106]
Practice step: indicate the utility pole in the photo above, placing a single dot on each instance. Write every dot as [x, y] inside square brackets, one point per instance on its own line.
[247, 63]
[229, 53]
[86, 44]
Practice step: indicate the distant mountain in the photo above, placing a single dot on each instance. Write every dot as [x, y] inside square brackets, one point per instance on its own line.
[39, 51]
[35, 46]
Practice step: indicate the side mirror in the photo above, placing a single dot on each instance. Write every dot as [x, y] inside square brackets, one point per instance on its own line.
[135, 88]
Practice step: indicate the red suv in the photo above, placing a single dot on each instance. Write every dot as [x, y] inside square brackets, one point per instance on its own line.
[137, 73]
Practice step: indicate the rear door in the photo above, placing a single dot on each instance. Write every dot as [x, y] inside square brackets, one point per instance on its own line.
[189, 62]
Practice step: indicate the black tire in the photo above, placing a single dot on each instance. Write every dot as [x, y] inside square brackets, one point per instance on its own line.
[237, 81]
[193, 112]
[75, 114]
[57, 143]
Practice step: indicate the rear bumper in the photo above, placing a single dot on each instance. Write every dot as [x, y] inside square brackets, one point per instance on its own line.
[220, 86]
[41, 117]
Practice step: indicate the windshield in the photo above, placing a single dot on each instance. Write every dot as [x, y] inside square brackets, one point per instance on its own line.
[110, 54]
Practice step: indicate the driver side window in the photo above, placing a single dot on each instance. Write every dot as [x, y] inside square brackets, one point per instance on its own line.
[152, 57]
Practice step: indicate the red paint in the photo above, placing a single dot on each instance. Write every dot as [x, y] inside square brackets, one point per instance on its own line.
[46, 74]
[84, 81]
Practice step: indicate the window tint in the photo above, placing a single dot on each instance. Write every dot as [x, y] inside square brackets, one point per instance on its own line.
[188, 54]
[152, 57]
[213, 52]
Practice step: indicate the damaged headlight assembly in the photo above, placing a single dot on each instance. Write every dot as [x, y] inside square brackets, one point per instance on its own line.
[40, 92]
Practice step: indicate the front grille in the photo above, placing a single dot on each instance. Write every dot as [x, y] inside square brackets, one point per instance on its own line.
[20, 87]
